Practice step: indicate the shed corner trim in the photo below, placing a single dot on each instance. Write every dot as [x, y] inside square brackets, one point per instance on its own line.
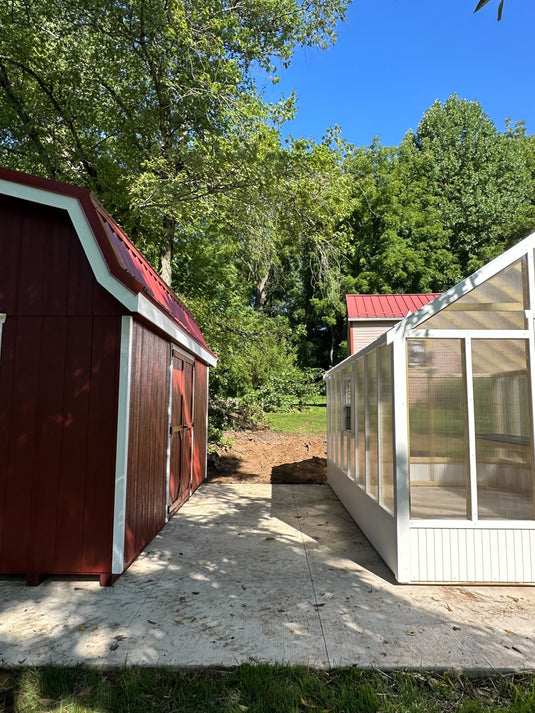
[121, 461]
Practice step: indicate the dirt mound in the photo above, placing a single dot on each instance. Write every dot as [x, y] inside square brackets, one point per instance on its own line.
[270, 457]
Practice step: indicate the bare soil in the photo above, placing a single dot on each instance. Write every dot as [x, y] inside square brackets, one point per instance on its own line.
[270, 457]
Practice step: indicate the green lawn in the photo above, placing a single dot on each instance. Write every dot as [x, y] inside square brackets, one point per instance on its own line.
[260, 689]
[312, 419]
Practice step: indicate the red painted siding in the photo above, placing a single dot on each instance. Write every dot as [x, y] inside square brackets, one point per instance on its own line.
[123, 260]
[199, 428]
[58, 394]
[146, 499]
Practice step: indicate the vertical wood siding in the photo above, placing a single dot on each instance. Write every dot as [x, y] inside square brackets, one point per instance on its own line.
[472, 555]
[146, 497]
[365, 333]
[199, 420]
[58, 393]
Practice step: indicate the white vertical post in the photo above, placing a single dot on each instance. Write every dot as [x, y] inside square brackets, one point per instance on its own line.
[472, 459]
[401, 458]
[366, 426]
[336, 418]
[354, 417]
[328, 413]
[358, 387]
[379, 428]
[531, 327]
[531, 353]
[531, 280]
[121, 454]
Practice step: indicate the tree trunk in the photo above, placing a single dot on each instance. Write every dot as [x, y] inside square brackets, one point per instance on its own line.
[260, 294]
[166, 257]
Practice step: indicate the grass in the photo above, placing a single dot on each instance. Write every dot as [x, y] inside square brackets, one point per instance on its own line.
[312, 419]
[260, 689]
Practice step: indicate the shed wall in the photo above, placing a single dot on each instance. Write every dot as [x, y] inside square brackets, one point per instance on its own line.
[377, 524]
[365, 333]
[200, 425]
[58, 398]
[146, 496]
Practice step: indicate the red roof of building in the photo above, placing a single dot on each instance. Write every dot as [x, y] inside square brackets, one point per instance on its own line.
[385, 306]
[123, 259]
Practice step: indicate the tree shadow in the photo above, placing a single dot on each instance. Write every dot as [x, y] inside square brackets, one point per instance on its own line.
[274, 573]
[311, 471]
[229, 468]
[327, 525]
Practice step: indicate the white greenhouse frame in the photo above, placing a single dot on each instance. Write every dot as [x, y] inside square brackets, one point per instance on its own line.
[369, 465]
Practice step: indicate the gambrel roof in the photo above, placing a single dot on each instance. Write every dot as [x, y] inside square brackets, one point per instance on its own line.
[116, 263]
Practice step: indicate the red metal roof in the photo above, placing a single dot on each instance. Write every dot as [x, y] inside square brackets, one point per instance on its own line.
[385, 306]
[123, 259]
[133, 262]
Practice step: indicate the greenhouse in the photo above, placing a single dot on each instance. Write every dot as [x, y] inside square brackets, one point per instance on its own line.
[430, 432]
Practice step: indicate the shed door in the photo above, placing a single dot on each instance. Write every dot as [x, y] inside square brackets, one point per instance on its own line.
[181, 430]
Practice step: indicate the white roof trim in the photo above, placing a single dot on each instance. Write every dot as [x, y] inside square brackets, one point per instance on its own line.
[148, 309]
[484, 273]
[379, 342]
[139, 303]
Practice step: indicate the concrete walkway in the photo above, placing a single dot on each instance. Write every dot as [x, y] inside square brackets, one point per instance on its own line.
[265, 573]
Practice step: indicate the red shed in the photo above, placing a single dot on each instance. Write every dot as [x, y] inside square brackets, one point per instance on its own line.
[103, 388]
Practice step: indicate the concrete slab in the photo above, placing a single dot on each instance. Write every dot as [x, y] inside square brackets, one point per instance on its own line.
[265, 573]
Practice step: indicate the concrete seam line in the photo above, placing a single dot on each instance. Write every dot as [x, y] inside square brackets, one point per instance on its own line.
[316, 603]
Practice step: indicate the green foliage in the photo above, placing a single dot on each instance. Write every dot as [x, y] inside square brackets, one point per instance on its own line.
[154, 105]
[308, 418]
[260, 689]
[453, 195]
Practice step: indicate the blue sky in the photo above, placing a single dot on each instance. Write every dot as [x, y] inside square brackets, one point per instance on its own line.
[393, 58]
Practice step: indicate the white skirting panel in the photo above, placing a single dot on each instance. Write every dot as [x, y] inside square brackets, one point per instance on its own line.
[374, 521]
[472, 555]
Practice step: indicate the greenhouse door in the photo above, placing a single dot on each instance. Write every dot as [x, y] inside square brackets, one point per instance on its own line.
[181, 430]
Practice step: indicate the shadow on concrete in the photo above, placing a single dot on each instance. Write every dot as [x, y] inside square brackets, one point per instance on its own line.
[312, 471]
[326, 523]
[275, 573]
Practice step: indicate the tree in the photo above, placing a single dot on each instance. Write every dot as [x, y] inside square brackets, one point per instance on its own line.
[479, 177]
[149, 102]
[153, 105]
[482, 3]
[453, 195]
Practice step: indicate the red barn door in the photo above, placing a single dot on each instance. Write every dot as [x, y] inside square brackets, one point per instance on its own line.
[181, 431]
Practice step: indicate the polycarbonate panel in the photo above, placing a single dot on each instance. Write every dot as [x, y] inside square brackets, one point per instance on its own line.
[498, 303]
[372, 426]
[503, 424]
[386, 444]
[348, 406]
[438, 448]
[350, 457]
[328, 393]
[361, 423]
